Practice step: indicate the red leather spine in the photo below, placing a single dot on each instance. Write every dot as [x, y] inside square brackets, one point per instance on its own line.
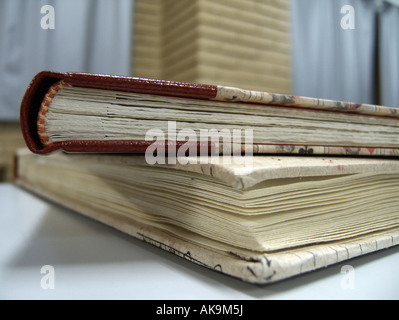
[42, 82]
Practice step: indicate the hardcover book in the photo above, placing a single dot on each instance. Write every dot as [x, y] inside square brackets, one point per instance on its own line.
[79, 112]
[282, 217]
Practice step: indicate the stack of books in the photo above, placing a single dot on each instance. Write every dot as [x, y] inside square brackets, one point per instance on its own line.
[147, 40]
[10, 140]
[235, 43]
[255, 185]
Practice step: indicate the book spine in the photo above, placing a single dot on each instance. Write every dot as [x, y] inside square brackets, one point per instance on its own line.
[35, 97]
[44, 139]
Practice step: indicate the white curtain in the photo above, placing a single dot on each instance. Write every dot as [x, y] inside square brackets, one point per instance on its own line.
[389, 55]
[331, 62]
[335, 63]
[88, 36]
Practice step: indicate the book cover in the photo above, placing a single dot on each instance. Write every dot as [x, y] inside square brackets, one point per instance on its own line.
[123, 109]
[282, 218]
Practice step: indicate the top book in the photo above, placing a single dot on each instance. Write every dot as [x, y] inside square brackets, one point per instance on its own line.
[79, 112]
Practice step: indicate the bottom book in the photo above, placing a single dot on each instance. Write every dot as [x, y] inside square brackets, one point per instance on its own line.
[279, 218]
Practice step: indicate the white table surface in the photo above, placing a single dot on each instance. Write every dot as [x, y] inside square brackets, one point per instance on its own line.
[93, 261]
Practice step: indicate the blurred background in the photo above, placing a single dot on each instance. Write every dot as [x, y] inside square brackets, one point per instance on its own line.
[344, 50]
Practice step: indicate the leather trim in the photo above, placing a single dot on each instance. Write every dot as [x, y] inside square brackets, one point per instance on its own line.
[41, 83]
